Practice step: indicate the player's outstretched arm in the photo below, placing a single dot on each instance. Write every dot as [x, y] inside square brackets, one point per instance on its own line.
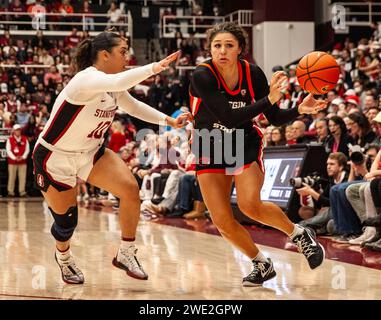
[146, 113]
[85, 84]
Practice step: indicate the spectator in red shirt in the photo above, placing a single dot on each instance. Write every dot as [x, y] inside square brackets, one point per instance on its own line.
[72, 40]
[66, 9]
[17, 148]
[5, 39]
[118, 138]
[17, 6]
[53, 75]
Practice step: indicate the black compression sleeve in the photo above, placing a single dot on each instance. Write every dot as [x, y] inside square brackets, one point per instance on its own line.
[275, 115]
[205, 86]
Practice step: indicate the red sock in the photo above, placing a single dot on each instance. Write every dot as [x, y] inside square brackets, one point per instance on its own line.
[128, 239]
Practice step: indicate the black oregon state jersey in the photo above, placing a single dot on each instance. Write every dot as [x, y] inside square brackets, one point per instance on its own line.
[241, 96]
[214, 105]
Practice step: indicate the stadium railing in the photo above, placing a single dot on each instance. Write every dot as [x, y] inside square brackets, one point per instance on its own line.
[197, 25]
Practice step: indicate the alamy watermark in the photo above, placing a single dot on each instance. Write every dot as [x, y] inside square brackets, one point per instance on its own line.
[338, 17]
[339, 279]
[214, 146]
[39, 277]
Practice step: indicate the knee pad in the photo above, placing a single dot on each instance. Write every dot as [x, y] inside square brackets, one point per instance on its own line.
[64, 224]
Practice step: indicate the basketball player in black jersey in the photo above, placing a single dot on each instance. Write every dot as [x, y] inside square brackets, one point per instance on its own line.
[226, 94]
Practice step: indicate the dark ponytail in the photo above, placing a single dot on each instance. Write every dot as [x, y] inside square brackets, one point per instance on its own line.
[87, 51]
[84, 56]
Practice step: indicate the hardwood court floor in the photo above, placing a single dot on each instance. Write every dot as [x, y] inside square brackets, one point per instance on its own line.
[181, 263]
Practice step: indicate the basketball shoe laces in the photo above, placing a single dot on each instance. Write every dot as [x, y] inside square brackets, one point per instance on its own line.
[69, 268]
[305, 246]
[258, 267]
[128, 258]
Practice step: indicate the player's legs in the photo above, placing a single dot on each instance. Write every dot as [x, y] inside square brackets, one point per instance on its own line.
[59, 203]
[216, 189]
[249, 184]
[63, 207]
[111, 174]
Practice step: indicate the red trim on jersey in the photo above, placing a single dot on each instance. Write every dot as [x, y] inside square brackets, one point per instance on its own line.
[194, 103]
[210, 171]
[236, 171]
[233, 93]
[211, 69]
[34, 163]
[50, 177]
[260, 153]
[249, 83]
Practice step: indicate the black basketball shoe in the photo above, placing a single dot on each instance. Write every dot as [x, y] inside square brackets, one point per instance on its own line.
[262, 271]
[308, 245]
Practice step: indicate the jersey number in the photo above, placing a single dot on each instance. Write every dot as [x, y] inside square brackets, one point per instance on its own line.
[98, 132]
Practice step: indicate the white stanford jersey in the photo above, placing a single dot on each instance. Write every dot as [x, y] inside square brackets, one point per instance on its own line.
[85, 108]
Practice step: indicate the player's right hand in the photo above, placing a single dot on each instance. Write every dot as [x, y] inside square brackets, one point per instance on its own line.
[277, 84]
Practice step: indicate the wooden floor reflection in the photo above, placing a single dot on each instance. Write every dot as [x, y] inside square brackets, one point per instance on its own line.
[181, 264]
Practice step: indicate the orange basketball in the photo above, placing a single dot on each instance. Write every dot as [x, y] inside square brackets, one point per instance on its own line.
[318, 72]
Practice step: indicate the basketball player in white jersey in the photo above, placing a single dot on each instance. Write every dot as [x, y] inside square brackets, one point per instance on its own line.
[70, 146]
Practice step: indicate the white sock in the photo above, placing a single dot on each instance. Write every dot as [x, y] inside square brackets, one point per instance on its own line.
[124, 245]
[63, 256]
[260, 257]
[298, 230]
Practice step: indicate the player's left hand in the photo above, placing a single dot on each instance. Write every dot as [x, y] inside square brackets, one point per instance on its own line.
[164, 64]
[181, 121]
[310, 105]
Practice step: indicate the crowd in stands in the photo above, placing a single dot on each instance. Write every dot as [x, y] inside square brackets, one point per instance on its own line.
[61, 12]
[162, 162]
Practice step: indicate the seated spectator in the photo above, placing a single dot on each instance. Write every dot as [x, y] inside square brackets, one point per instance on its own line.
[352, 104]
[164, 162]
[5, 39]
[322, 131]
[346, 222]
[359, 129]
[372, 68]
[168, 199]
[52, 77]
[40, 41]
[289, 134]
[188, 197]
[299, 132]
[360, 197]
[43, 115]
[278, 137]
[45, 58]
[22, 115]
[339, 139]
[369, 102]
[318, 215]
[72, 40]
[267, 133]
